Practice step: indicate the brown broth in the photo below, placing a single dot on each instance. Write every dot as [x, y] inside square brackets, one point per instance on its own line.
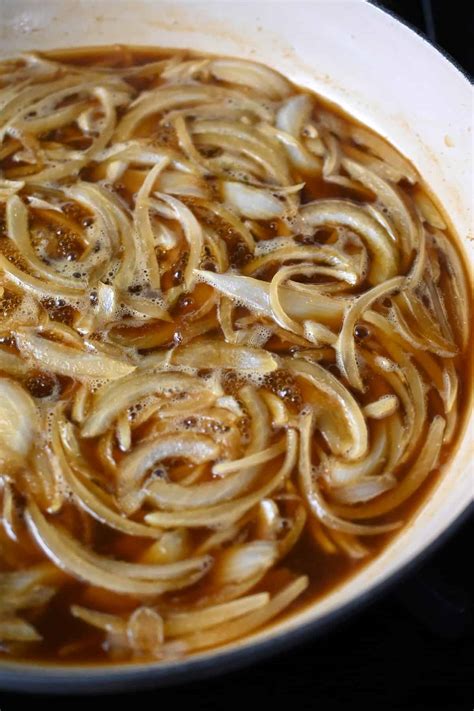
[67, 640]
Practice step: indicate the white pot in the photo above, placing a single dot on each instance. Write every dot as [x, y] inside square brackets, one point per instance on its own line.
[383, 74]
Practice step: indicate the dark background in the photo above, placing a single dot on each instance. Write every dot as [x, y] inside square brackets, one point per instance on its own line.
[412, 648]
[449, 24]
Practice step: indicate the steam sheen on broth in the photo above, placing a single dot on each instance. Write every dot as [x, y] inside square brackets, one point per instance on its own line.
[233, 334]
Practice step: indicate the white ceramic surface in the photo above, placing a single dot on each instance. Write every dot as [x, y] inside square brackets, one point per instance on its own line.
[375, 68]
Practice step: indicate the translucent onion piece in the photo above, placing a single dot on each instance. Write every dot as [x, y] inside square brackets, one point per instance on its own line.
[428, 211]
[272, 251]
[231, 219]
[145, 631]
[61, 359]
[390, 198]
[17, 229]
[258, 77]
[291, 117]
[182, 498]
[405, 380]
[92, 503]
[119, 577]
[35, 286]
[101, 620]
[19, 423]
[459, 298]
[213, 354]
[346, 352]
[349, 544]
[383, 407]
[429, 336]
[94, 500]
[255, 295]
[187, 445]
[28, 588]
[8, 513]
[111, 225]
[112, 398]
[245, 624]
[339, 408]
[341, 212]
[224, 468]
[252, 202]
[339, 472]
[12, 364]
[364, 489]
[244, 561]
[316, 503]
[14, 629]
[184, 623]
[192, 232]
[227, 513]
[238, 138]
[162, 99]
[422, 467]
[143, 223]
[297, 525]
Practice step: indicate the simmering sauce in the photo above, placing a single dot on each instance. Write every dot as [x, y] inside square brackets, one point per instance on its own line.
[200, 264]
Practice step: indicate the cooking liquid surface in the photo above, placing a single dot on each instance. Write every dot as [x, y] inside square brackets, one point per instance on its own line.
[66, 639]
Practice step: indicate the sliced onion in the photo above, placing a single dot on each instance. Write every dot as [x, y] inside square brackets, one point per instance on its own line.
[19, 422]
[35, 286]
[187, 445]
[235, 137]
[383, 407]
[192, 232]
[224, 468]
[458, 295]
[112, 398]
[258, 77]
[143, 223]
[252, 202]
[12, 364]
[297, 525]
[70, 556]
[14, 629]
[225, 514]
[255, 295]
[158, 101]
[231, 219]
[427, 209]
[145, 631]
[364, 489]
[17, 228]
[423, 466]
[101, 620]
[405, 380]
[348, 214]
[316, 503]
[69, 361]
[213, 354]
[182, 498]
[93, 499]
[287, 250]
[339, 412]
[349, 544]
[339, 472]
[183, 623]
[244, 561]
[390, 198]
[243, 625]
[346, 344]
